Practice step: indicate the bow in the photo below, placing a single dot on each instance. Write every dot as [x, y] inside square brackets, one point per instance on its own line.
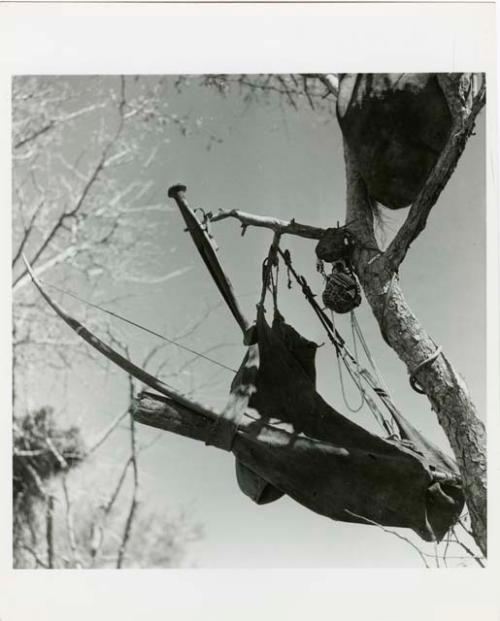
[115, 357]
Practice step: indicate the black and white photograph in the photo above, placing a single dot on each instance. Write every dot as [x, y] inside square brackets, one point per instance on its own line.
[255, 318]
[250, 321]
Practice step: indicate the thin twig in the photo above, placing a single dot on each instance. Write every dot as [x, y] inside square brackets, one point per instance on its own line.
[287, 91]
[97, 538]
[118, 487]
[468, 550]
[197, 322]
[306, 91]
[445, 553]
[57, 454]
[93, 177]
[467, 530]
[392, 532]
[104, 435]
[135, 492]
[144, 447]
[34, 554]
[70, 526]
[436, 554]
[27, 232]
[36, 478]
[34, 135]
[49, 533]
[330, 80]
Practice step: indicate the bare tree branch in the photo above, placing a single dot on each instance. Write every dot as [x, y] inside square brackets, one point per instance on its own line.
[75, 211]
[278, 226]
[49, 530]
[34, 554]
[27, 232]
[119, 484]
[156, 280]
[34, 135]
[330, 80]
[71, 206]
[287, 92]
[97, 538]
[467, 549]
[69, 253]
[306, 91]
[135, 491]
[417, 217]
[104, 435]
[69, 524]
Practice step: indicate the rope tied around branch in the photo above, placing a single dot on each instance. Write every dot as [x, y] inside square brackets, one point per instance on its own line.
[413, 380]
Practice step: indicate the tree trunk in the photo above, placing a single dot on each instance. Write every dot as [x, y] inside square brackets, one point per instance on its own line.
[400, 328]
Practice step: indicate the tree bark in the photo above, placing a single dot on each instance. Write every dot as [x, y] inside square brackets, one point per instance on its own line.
[444, 388]
[162, 413]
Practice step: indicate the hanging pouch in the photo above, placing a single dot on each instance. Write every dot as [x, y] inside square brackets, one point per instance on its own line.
[396, 125]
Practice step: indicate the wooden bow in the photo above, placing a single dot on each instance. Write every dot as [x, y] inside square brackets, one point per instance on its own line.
[122, 362]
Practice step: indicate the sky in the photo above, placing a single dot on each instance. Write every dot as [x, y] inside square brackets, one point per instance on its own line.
[274, 160]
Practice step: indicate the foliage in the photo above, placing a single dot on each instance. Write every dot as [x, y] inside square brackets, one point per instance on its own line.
[42, 450]
[55, 527]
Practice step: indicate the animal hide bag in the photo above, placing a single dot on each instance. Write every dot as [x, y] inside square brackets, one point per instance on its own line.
[297, 444]
[288, 440]
[396, 125]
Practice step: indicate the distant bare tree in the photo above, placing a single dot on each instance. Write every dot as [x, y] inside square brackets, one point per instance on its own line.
[78, 213]
[69, 512]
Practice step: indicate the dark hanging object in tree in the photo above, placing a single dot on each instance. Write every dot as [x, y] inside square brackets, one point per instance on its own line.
[396, 125]
[335, 245]
[288, 440]
[342, 293]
